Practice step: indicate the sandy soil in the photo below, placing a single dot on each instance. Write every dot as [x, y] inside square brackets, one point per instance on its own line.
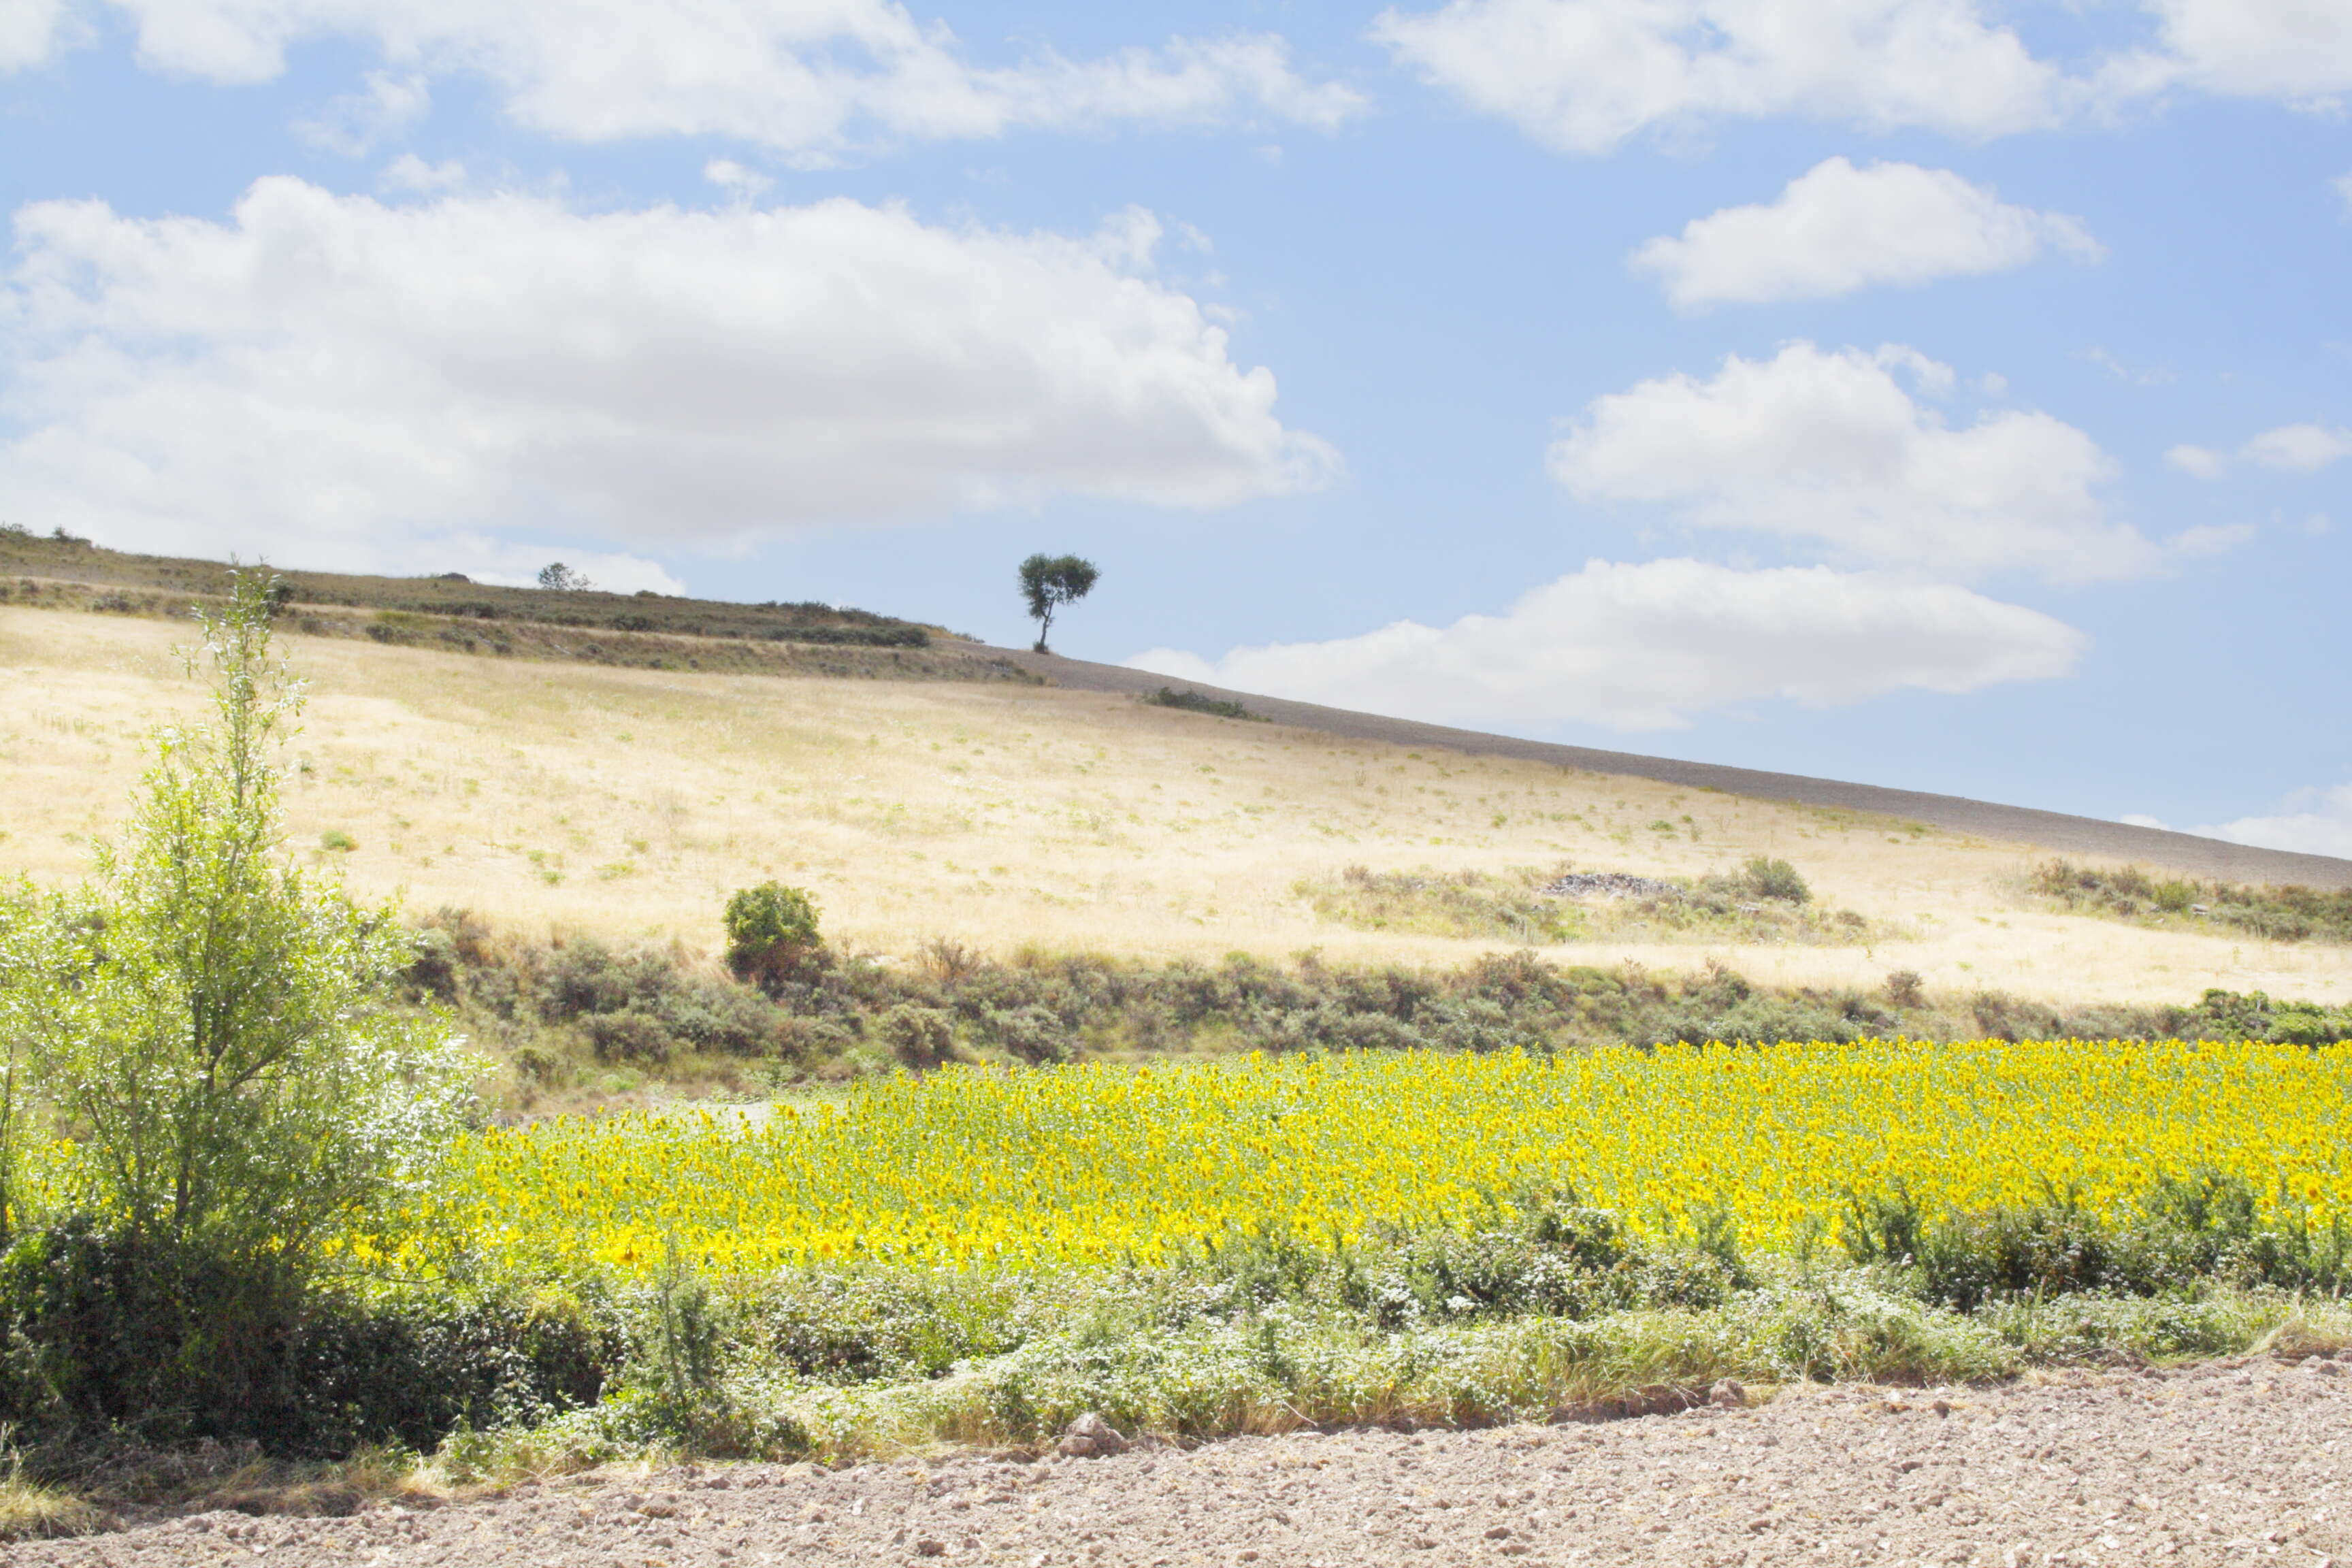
[2243, 1461]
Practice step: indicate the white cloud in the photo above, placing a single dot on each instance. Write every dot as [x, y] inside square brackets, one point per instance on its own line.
[28, 32]
[409, 173]
[2305, 446]
[730, 175]
[805, 77]
[1645, 647]
[2344, 189]
[2296, 50]
[340, 375]
[2144, 376]
[2202, 461]
[2209, 538]
[2311, 821]
[2140, 819]
[487, 560]
[1583, 75]
[1837, 228]
[1828, 447]
[357, 122]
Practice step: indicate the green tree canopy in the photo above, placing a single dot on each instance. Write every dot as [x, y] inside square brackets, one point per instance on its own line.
[210, 1029]
[1049, 582]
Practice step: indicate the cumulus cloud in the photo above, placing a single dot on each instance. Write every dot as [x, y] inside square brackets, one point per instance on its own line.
[2201, 461]
[343, 374]
[29, 32]
[1584, 75]
[1645, 647]
[2311, 821]
[2303, 447]
[803, 77]
[358, 120]
[2299, 51]
[1837, 228]
[1829, 448]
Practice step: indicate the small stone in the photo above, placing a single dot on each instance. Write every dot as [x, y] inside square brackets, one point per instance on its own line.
[1500, 1532]
[2329, 1369]
[930, 1548]
[1090, 1436]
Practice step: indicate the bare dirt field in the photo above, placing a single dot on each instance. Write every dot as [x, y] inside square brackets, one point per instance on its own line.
[629, 804]
[2238, 1461]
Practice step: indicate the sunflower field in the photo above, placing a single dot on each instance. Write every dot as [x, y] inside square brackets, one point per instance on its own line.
[1090, 1166]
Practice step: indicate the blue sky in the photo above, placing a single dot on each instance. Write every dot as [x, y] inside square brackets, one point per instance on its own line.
[1936, 392]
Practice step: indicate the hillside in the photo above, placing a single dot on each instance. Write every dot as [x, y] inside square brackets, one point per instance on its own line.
[629, 802]
[642, 630]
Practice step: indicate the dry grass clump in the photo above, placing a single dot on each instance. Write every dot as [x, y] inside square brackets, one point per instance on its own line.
[81, 1492]
[29, 1509]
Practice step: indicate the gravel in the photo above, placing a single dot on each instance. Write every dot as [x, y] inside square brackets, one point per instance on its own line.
[2231, 1462]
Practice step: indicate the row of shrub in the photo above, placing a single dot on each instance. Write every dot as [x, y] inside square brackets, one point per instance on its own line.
[105, 1346]
[2272, 913]
[795, 1008]
[1764, 901]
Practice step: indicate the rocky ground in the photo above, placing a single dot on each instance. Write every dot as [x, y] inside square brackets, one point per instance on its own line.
[2246, 1461]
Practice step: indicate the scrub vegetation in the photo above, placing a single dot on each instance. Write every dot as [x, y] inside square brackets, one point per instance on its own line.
[1765, 900]
[2129, 893]
[582, 1024]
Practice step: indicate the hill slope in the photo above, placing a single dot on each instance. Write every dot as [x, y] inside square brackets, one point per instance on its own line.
[2181, 853]
[630, 802]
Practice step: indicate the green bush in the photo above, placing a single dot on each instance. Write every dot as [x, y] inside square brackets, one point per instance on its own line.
[107, 1337]
[630, 1039]
[771, 933]
[2202, 1225]
[210, 1049]
[1193, 701]
[920, 1038]
[1770, 878]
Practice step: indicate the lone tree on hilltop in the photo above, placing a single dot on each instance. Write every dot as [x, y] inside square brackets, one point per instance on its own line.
[1049, 582]
[563, 579]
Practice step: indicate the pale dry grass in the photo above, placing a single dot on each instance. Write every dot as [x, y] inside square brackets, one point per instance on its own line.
[630, 803]
[29, 1510]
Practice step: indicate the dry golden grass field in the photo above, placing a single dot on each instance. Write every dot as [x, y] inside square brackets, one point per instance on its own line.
[630, 803]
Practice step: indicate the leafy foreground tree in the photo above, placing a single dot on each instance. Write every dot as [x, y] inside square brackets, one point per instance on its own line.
[1050, 582]
[208, 1086]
